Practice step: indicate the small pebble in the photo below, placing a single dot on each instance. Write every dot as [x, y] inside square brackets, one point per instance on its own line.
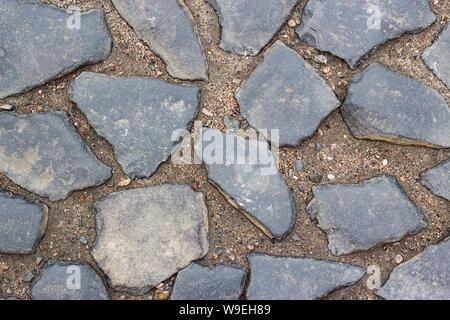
[314, 177]
[28, 277]
[299, 165]
[291, 23]
[321, 59]
[207, 112]
[295, 237]
[398, 259]
[318, 146]
[300, 188]
[331, 177]
[384, 162]
[6, 107]
[83, 240]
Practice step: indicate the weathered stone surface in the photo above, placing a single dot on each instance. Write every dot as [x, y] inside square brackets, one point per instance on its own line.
[437, 56]
[31, 56]
[383, 105]
[424, 277]
[361, 216]
[168, 28]
[285, 93]
[136, 115]
[44, 154]
[351, 29]
[22, 223]
[222, 282]
[292, 278]
[146, 235]
[249, 25]
[437, 180]
[58, 280]
[246, 172]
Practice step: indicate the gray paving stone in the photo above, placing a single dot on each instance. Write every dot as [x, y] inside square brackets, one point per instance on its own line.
[44, 154]
[437, 179]
[196, 282]
[22, 223]
[168, 28]
[350, 29]
[146, 235]
[361, 216]
[31, 56]
[136, 115]
[292, 278]
[383, 105]
[285, 80]
[60, 280]
[424, 277]
[249, 180]
[437, 56]
[249, 25]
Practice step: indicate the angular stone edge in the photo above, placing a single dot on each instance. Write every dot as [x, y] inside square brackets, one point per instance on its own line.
[427, 51]
[423, 181]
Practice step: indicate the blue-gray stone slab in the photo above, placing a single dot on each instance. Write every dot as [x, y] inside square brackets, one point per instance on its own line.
[437, 56]
[437, 179]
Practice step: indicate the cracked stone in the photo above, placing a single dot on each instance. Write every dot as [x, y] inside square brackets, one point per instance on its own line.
[249, 25]
[352, 29]
[437, 180]
[44, 154]
[358, 217]
[292, 278]
[146, 235]
[437, 56]
[30, 56]
[167, 26]
[284, 79]
[136, 115]
[386, 106]
[222, 282]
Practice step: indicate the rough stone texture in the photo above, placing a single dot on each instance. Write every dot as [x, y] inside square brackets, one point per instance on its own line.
[384, 105]
[361, 216]
[222, 282]
[250, 180]
[136, 115]
[31, 56]
[437, 56]
[44, 154]
[168, 28]
[285, 80]
[22, 223]
[146, 235]
[56, 282]
[249, 25]
[348, 29]
[424, 277]
[291, 278]
[437, 180]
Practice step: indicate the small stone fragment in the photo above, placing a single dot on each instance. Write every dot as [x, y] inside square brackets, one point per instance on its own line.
[28, 277]
[83, 240]
[299, 165]
[314, 177]
[300, 188]
[437, 180]
[437, 56]
[232, 124]
[321, 59]
[6, 107]
[331, 177]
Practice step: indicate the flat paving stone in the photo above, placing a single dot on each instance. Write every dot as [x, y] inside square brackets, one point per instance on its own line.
[249, 25]
[292, 278]
[437, 179]
[31, 56]
[246, 173]
[136, 115]
[386, 106]
[424, 277]
[437, 56]
[358, 217]
[22, 223]
[352, 29]
[44, 154]
[168, 28]
[60, 280]
[196, 282]
[285, 80]
[146, 235]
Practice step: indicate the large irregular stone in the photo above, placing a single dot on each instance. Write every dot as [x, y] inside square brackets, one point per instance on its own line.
[22, 223]
[437, 180]
[30, 55]
[285, 93]
[424, 277]
[351, 29]
[60, 280]
[168, 27]
[383, 105]
[246, 173]
[361, 216]
[249, 25]
[44, 154]
[438, 55]
[146, 235]
[136, 115]
[223, 282]
[292, 278]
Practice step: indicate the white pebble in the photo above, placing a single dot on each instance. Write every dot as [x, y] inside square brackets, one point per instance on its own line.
[331, 177]
[384, 162]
